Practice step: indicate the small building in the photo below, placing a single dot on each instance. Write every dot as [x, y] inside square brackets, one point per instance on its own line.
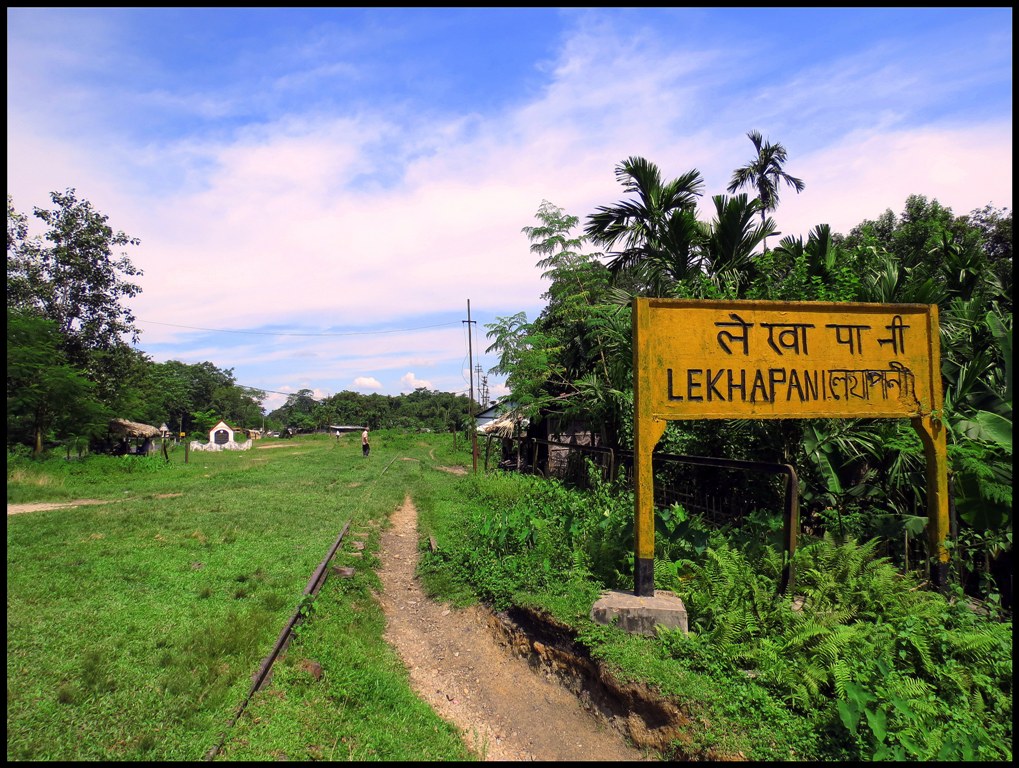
[221, 434]
[132, 437]
[342, 429]
[221, 438]
[502, 420]
[493, 412]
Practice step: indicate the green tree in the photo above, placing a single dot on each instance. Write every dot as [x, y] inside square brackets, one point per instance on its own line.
[297, 410]
[22, 268]
[995, 228]
[77, 281]
[657, 233]
[171, 396]
[47, 398]
[73, 277]
[764, 174]
[578, 283]
[815, 270]
[732, 237]
[529, 359]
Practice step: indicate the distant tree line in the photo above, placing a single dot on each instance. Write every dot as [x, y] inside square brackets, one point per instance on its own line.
[422, 409]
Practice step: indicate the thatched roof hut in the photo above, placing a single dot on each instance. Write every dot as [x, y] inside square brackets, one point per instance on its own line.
[507, 426]
[125, 428]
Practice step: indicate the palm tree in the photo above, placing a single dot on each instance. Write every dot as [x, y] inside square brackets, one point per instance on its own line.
[764, 174]
[658, 231]
[732, 238]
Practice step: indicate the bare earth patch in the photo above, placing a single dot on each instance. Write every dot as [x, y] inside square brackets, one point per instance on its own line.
[504, 710]
[454, 470]
[17, 509]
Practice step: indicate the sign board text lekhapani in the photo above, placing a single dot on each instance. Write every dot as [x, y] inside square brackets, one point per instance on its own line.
[768, 360]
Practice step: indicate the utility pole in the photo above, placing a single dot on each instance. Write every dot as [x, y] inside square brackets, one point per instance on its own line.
[473, 425]
[482, 387]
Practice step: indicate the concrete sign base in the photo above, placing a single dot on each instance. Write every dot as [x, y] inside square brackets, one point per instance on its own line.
[640, 614]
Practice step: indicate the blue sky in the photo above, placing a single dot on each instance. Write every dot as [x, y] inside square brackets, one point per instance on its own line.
[332, 186]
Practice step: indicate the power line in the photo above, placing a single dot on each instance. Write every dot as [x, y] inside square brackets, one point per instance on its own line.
[281, 333]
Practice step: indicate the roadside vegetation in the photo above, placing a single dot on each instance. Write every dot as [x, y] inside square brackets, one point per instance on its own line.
[857, 663]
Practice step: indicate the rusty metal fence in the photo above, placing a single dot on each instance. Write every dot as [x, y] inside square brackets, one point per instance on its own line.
[578, 465]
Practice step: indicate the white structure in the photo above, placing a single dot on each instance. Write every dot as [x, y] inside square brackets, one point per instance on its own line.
[221, 438]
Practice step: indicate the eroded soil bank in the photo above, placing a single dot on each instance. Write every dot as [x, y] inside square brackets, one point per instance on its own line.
[462, 662]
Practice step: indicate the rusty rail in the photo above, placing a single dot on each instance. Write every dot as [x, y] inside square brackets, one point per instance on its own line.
[315, 583]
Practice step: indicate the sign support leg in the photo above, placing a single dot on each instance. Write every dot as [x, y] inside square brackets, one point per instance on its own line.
[932, 434]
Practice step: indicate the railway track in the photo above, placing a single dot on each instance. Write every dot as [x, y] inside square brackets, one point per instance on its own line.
[264, 672]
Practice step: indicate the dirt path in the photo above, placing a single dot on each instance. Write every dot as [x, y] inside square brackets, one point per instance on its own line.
[42, 506]
[17, 509]
[504, 710]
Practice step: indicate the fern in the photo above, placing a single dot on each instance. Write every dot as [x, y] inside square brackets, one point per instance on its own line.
[841, 675]
[912, 689]
[980, 643]
[830, 650]
[921, 644]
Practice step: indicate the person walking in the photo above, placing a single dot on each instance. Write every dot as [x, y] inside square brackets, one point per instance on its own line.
[365, 445]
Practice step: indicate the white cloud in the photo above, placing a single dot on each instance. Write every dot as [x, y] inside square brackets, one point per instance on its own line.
[499, 390]
[411, 382]
[367, 382]
[866, 174]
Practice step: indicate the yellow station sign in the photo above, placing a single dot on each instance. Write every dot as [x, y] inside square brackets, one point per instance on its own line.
[757, 360]
[698, 359]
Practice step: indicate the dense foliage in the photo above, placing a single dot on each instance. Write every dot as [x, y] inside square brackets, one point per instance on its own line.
[859, 477]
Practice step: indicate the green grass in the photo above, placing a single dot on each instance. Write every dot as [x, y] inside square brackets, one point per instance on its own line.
[134, 627]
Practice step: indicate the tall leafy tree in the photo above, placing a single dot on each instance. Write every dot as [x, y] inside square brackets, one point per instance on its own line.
[578, 282]
[23, 268]
[74, 277]
[732, 237]
[765, 174]
[995, 227]
[529, 358]
[567, 362]
[815, 270]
